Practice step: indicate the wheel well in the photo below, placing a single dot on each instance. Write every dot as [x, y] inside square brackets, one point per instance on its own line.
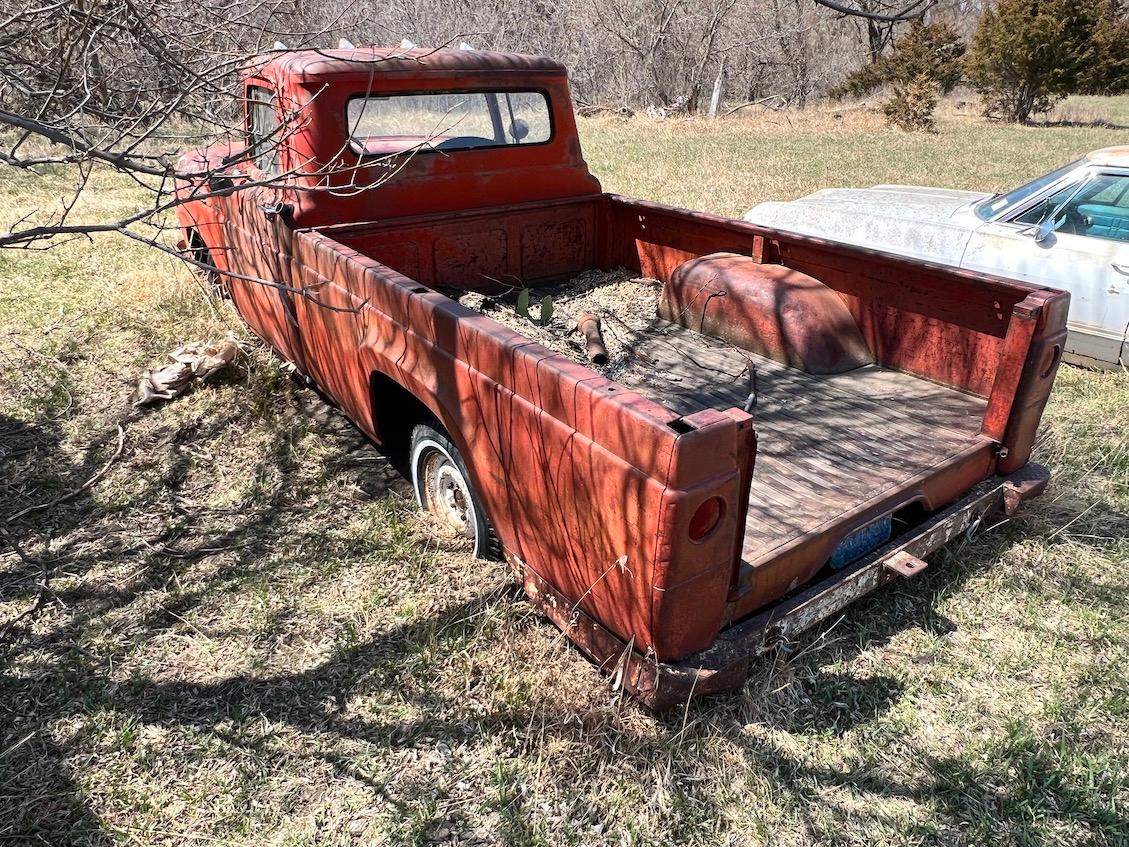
[395, 412]
[199, 252]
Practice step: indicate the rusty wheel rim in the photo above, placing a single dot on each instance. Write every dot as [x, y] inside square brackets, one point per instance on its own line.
[447, 494]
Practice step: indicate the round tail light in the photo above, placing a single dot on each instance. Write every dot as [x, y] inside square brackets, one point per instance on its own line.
[706, 518]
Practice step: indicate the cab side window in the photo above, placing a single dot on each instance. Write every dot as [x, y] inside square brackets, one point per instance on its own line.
[1099, 209]
[262, 129]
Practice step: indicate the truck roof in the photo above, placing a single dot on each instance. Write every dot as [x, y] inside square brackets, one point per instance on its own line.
[366, 61]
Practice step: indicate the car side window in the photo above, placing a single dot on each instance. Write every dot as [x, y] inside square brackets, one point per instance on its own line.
[1099, 209]
[262, 129]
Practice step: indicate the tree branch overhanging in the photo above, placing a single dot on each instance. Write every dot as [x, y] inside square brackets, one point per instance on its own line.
[124, 84]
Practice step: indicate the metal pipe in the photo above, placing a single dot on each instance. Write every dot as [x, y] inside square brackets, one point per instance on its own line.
[589, 326]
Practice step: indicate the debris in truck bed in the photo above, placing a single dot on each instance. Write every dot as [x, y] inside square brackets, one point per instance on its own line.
[625, 304]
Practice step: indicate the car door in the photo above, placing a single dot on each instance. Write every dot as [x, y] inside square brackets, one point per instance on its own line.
[259, 237]
[1086, 253]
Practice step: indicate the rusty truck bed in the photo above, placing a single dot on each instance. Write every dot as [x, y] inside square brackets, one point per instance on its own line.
[826, 444]
[937, 386]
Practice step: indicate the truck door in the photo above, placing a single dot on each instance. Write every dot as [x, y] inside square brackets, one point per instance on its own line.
[259, 237]
[1086, 253]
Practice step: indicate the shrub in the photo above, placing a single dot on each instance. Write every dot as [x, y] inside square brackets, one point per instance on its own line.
[1028, 54]
[925, 63]
[930, 50]
[911, 108]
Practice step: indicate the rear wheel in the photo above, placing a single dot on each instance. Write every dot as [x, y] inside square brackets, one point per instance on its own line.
[443, 489]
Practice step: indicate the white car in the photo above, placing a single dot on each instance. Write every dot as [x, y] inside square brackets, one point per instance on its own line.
[1068, 229]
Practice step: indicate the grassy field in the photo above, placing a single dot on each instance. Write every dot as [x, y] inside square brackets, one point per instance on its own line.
[248, 637]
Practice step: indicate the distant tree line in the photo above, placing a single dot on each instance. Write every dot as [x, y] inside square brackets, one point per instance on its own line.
[134, 59]
[662, 55]
[665, 55]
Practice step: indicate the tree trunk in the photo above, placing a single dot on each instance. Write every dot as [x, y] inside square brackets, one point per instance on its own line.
[718, 90]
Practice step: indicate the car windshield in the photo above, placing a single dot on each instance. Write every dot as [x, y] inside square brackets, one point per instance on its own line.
[447, 121]
[993, 206]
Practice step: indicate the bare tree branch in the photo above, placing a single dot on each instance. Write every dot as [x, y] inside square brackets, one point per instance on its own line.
[125, 85]
[914, 10]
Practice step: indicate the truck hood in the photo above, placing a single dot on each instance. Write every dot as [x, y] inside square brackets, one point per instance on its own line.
[208, 159]
[925, 223]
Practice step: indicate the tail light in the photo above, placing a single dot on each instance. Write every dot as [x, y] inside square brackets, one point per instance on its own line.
[706, 518]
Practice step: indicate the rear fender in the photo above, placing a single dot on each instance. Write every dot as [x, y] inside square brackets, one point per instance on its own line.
[693, 576]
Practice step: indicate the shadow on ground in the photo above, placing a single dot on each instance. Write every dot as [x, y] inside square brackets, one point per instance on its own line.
[47, 679]
[1079, 124]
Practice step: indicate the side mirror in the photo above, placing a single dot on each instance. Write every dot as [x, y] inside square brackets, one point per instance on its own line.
[519, 129]
[1046, 226]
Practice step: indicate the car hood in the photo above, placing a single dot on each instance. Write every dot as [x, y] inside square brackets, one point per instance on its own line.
[925, 223]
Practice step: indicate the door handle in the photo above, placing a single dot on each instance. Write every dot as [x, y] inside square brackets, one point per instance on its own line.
[276, 210]
[1121, 269]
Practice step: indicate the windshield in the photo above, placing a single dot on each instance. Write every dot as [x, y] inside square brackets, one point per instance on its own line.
[447, 121]
[1001, 202]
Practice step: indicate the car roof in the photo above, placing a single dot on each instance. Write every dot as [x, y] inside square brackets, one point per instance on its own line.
[1115, 156]
[364, 61]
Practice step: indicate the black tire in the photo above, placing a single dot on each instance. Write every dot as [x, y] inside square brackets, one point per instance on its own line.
[443, 488]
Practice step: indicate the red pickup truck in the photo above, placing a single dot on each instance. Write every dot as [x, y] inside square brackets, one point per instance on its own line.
[791, 423]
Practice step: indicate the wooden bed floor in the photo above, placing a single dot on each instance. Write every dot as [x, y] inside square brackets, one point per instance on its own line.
[826, 444]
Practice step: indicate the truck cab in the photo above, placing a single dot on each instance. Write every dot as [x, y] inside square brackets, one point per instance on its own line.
[784, 424]
[324, 127]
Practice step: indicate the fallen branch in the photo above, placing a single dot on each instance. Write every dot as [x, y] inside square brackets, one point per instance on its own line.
[763, 101]
[62, 498]
[30, 563]
[18, 745]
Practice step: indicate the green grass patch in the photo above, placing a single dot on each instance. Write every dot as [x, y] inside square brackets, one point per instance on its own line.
[251, 638]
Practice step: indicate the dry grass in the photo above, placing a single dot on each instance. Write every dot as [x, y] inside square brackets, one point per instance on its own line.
[727, 166]
[249, 638]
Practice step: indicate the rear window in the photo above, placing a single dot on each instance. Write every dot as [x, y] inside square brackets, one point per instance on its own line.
[262, 129]
[464, 120]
